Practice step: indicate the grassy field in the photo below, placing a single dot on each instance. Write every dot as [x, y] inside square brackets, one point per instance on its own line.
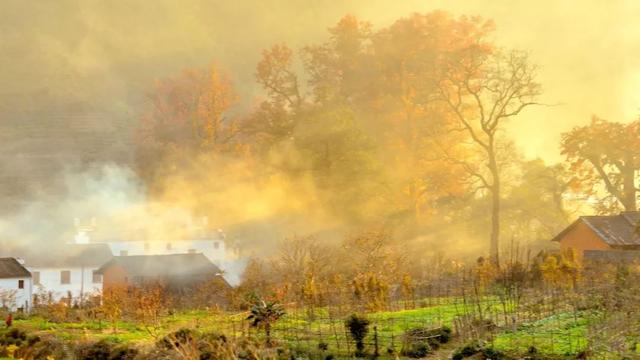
[557, 335]
[561, 334]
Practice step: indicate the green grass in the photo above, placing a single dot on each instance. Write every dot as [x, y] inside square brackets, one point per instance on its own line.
[556, 335]
[561, 334]
[294, 329]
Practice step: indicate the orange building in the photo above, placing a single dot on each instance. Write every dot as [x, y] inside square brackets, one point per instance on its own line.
[177, 271]
[600, 237]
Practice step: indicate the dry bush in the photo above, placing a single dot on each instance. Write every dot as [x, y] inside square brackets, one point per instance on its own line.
[113, 304]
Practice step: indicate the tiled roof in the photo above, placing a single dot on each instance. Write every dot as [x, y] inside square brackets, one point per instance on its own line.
[11, 268]
[615, 230]
[68, 255]
[164, 265]
[612, 256]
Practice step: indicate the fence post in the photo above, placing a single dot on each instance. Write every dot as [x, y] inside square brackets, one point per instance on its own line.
[376, 352]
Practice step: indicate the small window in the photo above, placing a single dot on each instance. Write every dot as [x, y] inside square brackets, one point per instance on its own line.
[36, 277]
[192, 251]
[124, 253]
[97, 277]
[20, 284]
[65, 277]
[216, 245]
[169, 246]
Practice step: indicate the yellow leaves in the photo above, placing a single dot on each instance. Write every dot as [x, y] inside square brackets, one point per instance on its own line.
[216, 97]
[187, 111]
[274, 72]
[560, 270]
[11, 349]
[604, 157]
[484, 273]
[372, 290]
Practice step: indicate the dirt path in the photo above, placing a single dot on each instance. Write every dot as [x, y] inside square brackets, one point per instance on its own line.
[445, 351]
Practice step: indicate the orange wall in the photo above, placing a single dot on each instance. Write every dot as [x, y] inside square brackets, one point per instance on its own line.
[581, 238]
[114, 275]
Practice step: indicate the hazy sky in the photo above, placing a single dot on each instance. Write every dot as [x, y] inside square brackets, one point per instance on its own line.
[108, 52]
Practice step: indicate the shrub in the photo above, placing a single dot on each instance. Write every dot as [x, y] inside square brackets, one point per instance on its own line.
[264, 314]
[100, 350]
[14, 336]
[177, 339]
[445, 334]
[484, 324]
[48, 347]
[420, 341]
[212, 345]
[55, 312]
[358, 328]
[18, 344]
[124, 352]
[416, 350]
[466, 351]
[493, 354]
[187, 344]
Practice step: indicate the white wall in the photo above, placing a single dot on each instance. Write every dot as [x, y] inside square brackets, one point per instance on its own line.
[213, 249]
[22, 297]
[81, 282]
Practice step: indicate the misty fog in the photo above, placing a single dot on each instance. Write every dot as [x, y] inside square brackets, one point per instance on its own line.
[76, 77]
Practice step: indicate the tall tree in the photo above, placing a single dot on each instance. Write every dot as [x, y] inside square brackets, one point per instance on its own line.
[186, 114]
[321, 132]
[606, 153]
[275, 73]
[340, 69]
[300, 260]
[484, 89]
[275, 119]
[409, 55]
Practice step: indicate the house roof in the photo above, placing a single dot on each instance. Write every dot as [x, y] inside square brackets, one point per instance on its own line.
[11, 268]
[612, 256]
[68, 255]
[164, 265]
[615, 230]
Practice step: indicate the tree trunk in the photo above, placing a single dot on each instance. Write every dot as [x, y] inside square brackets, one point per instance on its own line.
[495, 225]
[495, 206]
[629, 189]
[267, 330]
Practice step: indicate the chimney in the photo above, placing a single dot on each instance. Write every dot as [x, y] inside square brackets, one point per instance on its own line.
[81, 237]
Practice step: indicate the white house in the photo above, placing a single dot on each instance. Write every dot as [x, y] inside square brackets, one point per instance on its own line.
[213, 248]
[210, 244]
[67, 271]
[15, 285]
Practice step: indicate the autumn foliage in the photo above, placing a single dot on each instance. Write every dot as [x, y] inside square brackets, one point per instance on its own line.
[403, 125]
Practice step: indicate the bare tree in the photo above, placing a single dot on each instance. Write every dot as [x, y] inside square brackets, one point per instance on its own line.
[304, 263]
[7, 298]
[483, 91]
